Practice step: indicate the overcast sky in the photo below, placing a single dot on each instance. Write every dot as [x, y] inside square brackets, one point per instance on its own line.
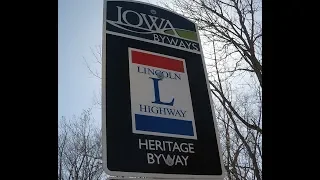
[79, 28]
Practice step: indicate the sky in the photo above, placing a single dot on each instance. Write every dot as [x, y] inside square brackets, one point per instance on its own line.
[79, 29]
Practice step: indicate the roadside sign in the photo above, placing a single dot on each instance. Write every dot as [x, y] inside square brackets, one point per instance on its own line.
[157, 113]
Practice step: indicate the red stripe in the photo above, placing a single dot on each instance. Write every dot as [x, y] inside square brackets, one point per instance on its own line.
[157, 61]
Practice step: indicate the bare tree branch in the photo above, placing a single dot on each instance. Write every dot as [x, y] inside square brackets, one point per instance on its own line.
[81, 156]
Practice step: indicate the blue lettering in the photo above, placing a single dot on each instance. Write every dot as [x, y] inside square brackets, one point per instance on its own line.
[157, 94]
[170, 112]
[162, 110]
[155, 108]
[144, 108]
[151, 71]
[139, 69]
[177, 76]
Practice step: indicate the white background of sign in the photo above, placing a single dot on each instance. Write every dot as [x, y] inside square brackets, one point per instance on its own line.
[142, 92]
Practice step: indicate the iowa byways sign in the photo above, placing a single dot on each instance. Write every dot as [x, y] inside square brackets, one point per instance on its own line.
[158, 119]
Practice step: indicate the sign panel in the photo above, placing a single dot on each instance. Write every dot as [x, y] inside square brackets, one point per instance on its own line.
[160, 96]
[157, 114]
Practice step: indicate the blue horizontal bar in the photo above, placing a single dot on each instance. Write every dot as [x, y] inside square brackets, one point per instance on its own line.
[163, 125]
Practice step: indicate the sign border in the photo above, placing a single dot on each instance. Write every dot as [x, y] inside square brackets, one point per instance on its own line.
[103, 123]
[194, 137]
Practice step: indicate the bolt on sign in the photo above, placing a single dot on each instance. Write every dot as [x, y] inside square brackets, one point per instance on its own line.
[157, 113]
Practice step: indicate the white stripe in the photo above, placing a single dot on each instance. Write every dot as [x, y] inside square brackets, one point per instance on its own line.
[150, 41]
[117, 24]
[164, 134]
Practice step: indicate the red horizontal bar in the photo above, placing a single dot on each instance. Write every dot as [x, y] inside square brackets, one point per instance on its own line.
[157, 61]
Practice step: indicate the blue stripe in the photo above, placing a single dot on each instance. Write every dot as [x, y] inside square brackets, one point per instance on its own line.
[163, 125]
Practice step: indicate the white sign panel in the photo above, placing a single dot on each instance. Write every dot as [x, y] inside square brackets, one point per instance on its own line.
[160, 95]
